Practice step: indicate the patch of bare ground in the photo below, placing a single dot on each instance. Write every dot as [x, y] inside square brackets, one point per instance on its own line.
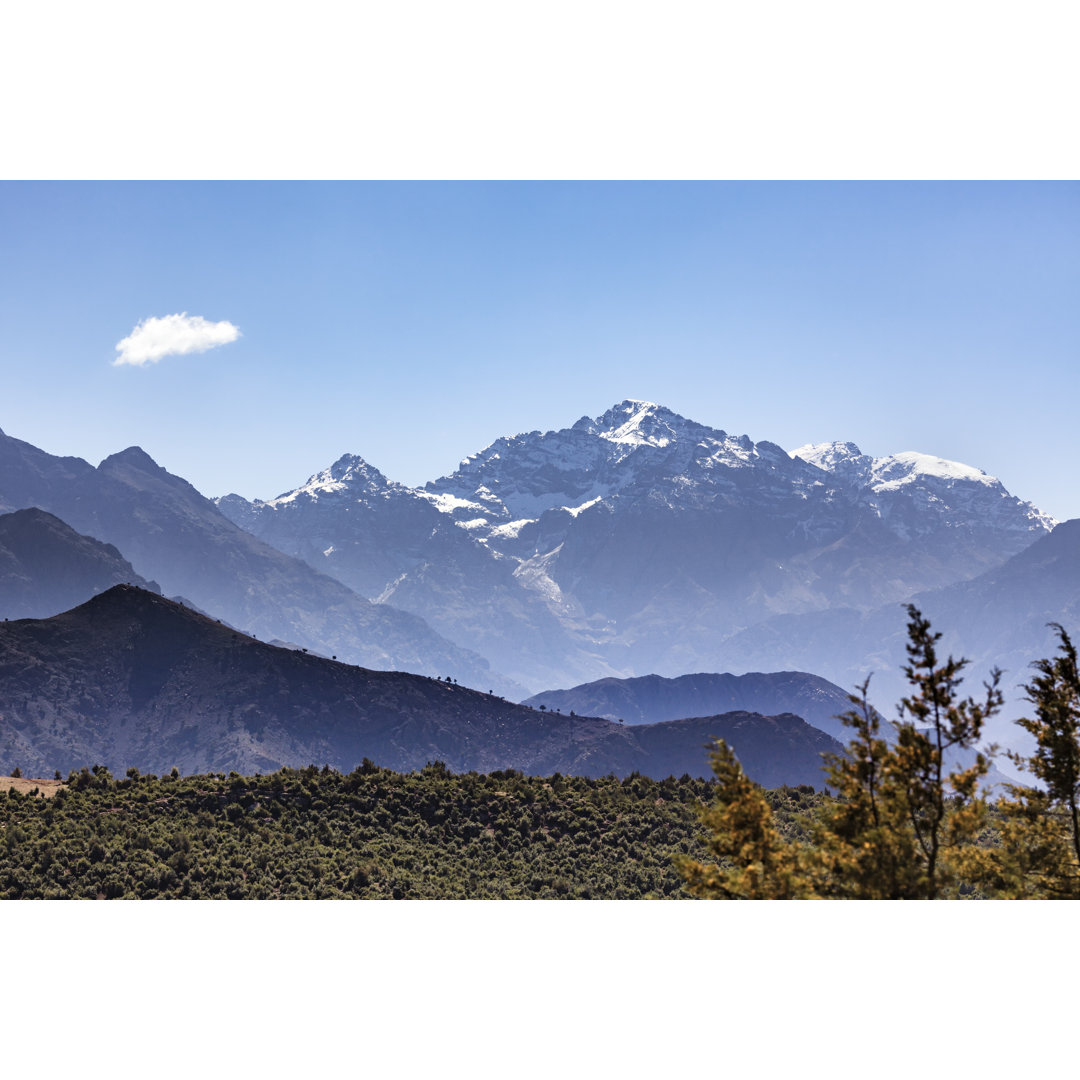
[24, 785]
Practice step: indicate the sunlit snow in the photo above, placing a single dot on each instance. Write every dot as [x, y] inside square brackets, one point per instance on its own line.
[573, 511]
[905, 468]
[511, 529]
[446, 503]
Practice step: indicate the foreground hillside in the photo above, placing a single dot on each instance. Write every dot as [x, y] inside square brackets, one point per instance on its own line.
[130, 679]
[371, 834]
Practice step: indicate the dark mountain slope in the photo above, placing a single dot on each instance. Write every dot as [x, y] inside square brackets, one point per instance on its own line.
[46, 567]
[652, 699]
[765, 745]
[172, 533]
[132, 679]
[998, 618]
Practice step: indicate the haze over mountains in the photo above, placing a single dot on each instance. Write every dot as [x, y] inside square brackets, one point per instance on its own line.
[46, 567]
[176, 536]
[651, 699]
[999, 618]
[639, 542]
[615, 556]
[131, 679]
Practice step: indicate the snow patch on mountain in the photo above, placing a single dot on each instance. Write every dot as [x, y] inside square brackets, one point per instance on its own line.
[646, 425]
[888, 473]
[447, 504]
[832, 456]
[573, 511]
[534, 575]
[512, 529]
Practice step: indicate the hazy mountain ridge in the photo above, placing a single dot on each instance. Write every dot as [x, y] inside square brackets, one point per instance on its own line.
[46, 567]
[651, 699]
[999, 618]
[639, 541]
[177, 536]
[131, 679]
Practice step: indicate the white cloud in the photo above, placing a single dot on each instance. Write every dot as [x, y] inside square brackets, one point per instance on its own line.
[172, 335]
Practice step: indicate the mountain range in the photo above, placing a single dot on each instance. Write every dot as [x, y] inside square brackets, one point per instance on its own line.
[178, 538]
[639, 542]
[612, 556]
[131, 679]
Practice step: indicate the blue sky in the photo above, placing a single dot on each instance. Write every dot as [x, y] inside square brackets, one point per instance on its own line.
[414, 323]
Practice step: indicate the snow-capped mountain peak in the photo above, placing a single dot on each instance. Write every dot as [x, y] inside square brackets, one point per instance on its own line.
[830, 456]
[634, 442]
[634, 423]
[909, 466]
[350, 474]
[891, 472]
[642, 537]
[956, 493]
[638, 423]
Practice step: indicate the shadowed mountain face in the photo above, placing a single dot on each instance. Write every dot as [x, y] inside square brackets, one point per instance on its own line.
[998, 618]
[172, 533]
[131, 679]
[46, 567]
[652, 699]
[639, 541]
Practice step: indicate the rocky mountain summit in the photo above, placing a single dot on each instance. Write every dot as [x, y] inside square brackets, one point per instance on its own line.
[634, 450]
[638, 541]
[916, 494]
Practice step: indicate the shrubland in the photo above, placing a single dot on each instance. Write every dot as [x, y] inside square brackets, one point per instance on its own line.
[896, 820]
[372, 833]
